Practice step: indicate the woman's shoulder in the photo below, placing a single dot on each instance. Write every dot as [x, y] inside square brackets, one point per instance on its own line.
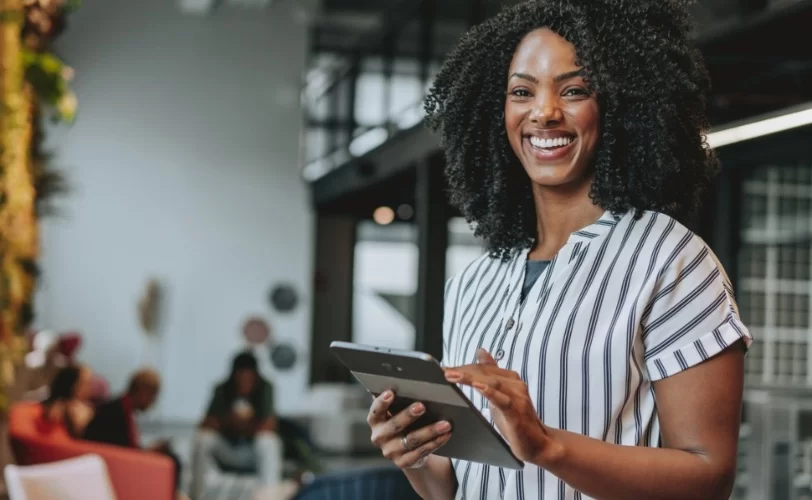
[486, 264]
[674, 243]
[662, 227]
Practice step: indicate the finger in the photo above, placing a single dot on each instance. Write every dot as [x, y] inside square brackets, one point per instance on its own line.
[459, 376]
[418, 438]
[469, 377]
[414, 440]
[379, 407]
[484, 357]
[494, 396]
[397, 424]
[414, 457]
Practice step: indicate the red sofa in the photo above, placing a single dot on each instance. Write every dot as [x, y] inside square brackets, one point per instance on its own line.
[136, 475]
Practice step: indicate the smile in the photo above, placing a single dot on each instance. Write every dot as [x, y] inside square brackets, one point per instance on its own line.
[547, 149]
[559, 142]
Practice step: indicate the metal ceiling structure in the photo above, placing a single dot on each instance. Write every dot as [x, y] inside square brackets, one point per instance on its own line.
[752, 49]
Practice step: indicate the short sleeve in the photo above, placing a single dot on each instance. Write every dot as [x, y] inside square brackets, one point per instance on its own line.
[691, 314]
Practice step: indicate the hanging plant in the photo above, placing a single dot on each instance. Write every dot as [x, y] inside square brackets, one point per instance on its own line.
[33, 80]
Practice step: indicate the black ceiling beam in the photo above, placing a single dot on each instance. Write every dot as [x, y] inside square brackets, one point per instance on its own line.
[394, 157]
[725, 32]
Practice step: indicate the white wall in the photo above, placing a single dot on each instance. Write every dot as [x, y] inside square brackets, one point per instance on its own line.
[184, 164]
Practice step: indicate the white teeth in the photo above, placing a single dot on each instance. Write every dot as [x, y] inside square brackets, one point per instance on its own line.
[538, 142]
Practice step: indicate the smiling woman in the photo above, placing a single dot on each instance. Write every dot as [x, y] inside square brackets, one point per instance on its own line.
[599, 335]
[638, 96]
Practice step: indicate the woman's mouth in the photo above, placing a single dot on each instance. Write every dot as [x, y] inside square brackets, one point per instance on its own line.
[550, 149]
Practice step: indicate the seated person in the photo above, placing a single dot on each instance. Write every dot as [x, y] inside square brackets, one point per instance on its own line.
[67, 403]
[114, 422]
[239, 429]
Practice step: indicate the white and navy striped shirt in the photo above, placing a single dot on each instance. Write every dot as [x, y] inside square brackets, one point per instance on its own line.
[624, 303]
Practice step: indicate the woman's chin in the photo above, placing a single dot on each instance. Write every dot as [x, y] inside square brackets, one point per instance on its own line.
[551, 175]
[559, 179]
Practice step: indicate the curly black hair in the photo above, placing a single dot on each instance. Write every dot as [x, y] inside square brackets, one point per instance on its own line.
[652, 89]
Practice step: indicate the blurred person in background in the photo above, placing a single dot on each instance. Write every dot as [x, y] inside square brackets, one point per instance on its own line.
[239, 429]
[115, 422]
[68, 402]
[48, 355]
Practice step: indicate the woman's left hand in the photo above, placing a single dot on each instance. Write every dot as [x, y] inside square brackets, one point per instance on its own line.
[510, 404]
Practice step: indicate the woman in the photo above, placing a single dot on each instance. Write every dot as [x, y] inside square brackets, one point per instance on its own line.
[68, 404]
[599, 335]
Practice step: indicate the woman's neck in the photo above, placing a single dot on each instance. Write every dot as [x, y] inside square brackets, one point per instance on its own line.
[559, 213]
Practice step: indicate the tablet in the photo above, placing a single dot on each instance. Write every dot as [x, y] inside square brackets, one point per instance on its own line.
[418, 377]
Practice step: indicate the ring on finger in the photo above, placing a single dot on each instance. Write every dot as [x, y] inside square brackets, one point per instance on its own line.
[405, 442]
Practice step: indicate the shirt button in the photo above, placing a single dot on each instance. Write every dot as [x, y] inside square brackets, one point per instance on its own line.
[510, 324]
[500, 354]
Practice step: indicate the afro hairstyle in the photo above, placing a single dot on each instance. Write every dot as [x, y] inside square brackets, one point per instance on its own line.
[652, 88]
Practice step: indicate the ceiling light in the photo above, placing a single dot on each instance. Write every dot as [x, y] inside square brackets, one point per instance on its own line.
[770, 124]
[383, 216]
[368, 141]
[411, 117]
[316, 169]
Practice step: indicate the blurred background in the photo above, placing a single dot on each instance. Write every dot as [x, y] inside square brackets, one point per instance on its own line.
[185, 180]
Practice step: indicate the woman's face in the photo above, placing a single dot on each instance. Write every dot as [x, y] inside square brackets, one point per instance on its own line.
[551, 117]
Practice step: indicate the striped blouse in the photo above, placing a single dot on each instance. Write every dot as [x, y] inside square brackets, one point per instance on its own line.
[624, 303]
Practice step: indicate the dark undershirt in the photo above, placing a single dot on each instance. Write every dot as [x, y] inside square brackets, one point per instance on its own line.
[532, 271]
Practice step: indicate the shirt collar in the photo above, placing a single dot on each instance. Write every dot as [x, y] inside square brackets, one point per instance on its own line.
[590, 233]
[596, 230]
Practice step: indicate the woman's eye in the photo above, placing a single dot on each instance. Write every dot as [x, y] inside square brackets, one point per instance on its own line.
[520, 93]
[575, 91]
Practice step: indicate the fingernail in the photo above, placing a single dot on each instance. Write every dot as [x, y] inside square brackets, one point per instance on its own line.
[450, 375]
[418, 409]
[443, 426]
[387, 396]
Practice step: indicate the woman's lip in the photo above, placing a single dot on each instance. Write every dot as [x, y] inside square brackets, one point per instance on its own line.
[549, 155]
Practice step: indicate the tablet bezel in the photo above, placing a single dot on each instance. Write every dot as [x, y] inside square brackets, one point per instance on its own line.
[397, 364]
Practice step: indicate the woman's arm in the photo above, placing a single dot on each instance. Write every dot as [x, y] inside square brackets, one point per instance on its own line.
[700, 412]
[435, 480]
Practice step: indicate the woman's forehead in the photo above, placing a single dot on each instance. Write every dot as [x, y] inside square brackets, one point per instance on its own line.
[543, 52]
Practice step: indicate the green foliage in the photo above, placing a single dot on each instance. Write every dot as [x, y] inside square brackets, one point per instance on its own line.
[46, 73]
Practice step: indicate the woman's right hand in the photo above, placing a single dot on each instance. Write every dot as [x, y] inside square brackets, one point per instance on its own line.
[407, 451]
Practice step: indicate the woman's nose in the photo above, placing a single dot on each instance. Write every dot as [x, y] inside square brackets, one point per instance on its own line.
[545, 111]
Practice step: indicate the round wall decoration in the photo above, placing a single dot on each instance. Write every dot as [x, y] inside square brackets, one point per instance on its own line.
[284, 298]
[283, 356]
[256, 331]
